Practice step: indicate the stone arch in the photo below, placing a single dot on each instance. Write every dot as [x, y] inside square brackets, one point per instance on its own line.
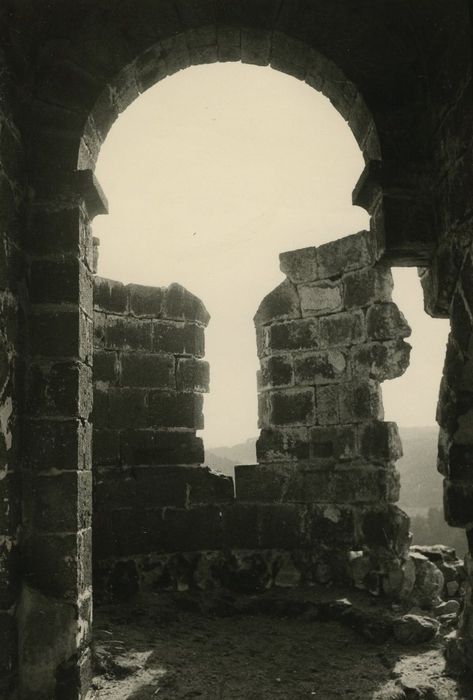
[93, 61]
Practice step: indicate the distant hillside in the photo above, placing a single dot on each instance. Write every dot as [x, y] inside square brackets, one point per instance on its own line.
[225, 458]
[421, 484]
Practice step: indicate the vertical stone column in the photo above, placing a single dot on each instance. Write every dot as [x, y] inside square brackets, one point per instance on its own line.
[455, 417]
[327, 336]
[151, 496]
[56, 603]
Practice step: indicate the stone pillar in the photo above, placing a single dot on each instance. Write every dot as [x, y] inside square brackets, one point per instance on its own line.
[327, 336]
[151, 496]
[56, 603]
[455, 417]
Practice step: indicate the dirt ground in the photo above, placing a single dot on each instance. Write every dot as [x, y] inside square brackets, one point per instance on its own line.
[170, 646]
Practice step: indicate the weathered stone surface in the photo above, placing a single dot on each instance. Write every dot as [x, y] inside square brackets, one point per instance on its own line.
[280, 304]
[320, 299]
[147, 370]
[294, 335]
[367, 286]
[192, 375]
[179, 304]
[380, 360]
[291, 407]
[321, 368]
[349, 253]
[276, 445]
[328, 399]
[385, 322]
[360, 401]
[110, 295]
[145, 301]
[300, 265]
[429, 581]
[414, 629]
[276, 371]
[342, 329]
[380, 442]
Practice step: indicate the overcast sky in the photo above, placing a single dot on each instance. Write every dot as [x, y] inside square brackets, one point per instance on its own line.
[210, 175]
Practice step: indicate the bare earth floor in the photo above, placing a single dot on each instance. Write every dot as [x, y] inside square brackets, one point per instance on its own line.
[170, 646]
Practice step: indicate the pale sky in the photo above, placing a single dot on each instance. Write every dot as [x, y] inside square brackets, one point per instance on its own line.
[211, 174]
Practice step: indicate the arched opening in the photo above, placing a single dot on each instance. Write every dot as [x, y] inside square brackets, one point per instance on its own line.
[291, 56]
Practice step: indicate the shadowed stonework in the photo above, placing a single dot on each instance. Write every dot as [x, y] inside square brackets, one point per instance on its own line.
[401, 75]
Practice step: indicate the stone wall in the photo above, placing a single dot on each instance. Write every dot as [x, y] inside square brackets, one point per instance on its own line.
[13, 301]
[327, 336]
[150, 493]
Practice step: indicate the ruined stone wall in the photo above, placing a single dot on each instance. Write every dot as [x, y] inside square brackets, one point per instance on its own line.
[150, 493]
[327, 336]
[13, 299]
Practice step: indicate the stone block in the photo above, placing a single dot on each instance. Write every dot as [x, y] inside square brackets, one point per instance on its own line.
[57, 445]
[347, 486]
[289, 55]
[58, 333]
[386, 322]
[333, 444]
[300, 266]
[281, 526]
[127, 408]
[367, 286]
[160, 447]
[100, 412]
[60, 281]
[458, 503]
[228, 43]
[106, 366]
[127, 333]
[193, 530]
[322, 367]
[360, 401]
[8, 648]
[350, 253]
[62, 502]
[276, 371]
[381, 360]
[386, 528]
[10, 512]
[117, 488]
[145, 301]
[320, 299]
[51, 564]
[181, 305]
[260, 483]
[105, 447]
[331, 525]
[147, 370]
[175, 410]
[240, 525]
[255, 46]
[192, 375]
[328, 411]
[289, 444]
[10, 574]
[461, 325]
[343, 329]
[280, 304]
[380, 442]
[110, 295]
[458, 460]
[180, 338]
[294, 335]
[292, 407]
[61, 389]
